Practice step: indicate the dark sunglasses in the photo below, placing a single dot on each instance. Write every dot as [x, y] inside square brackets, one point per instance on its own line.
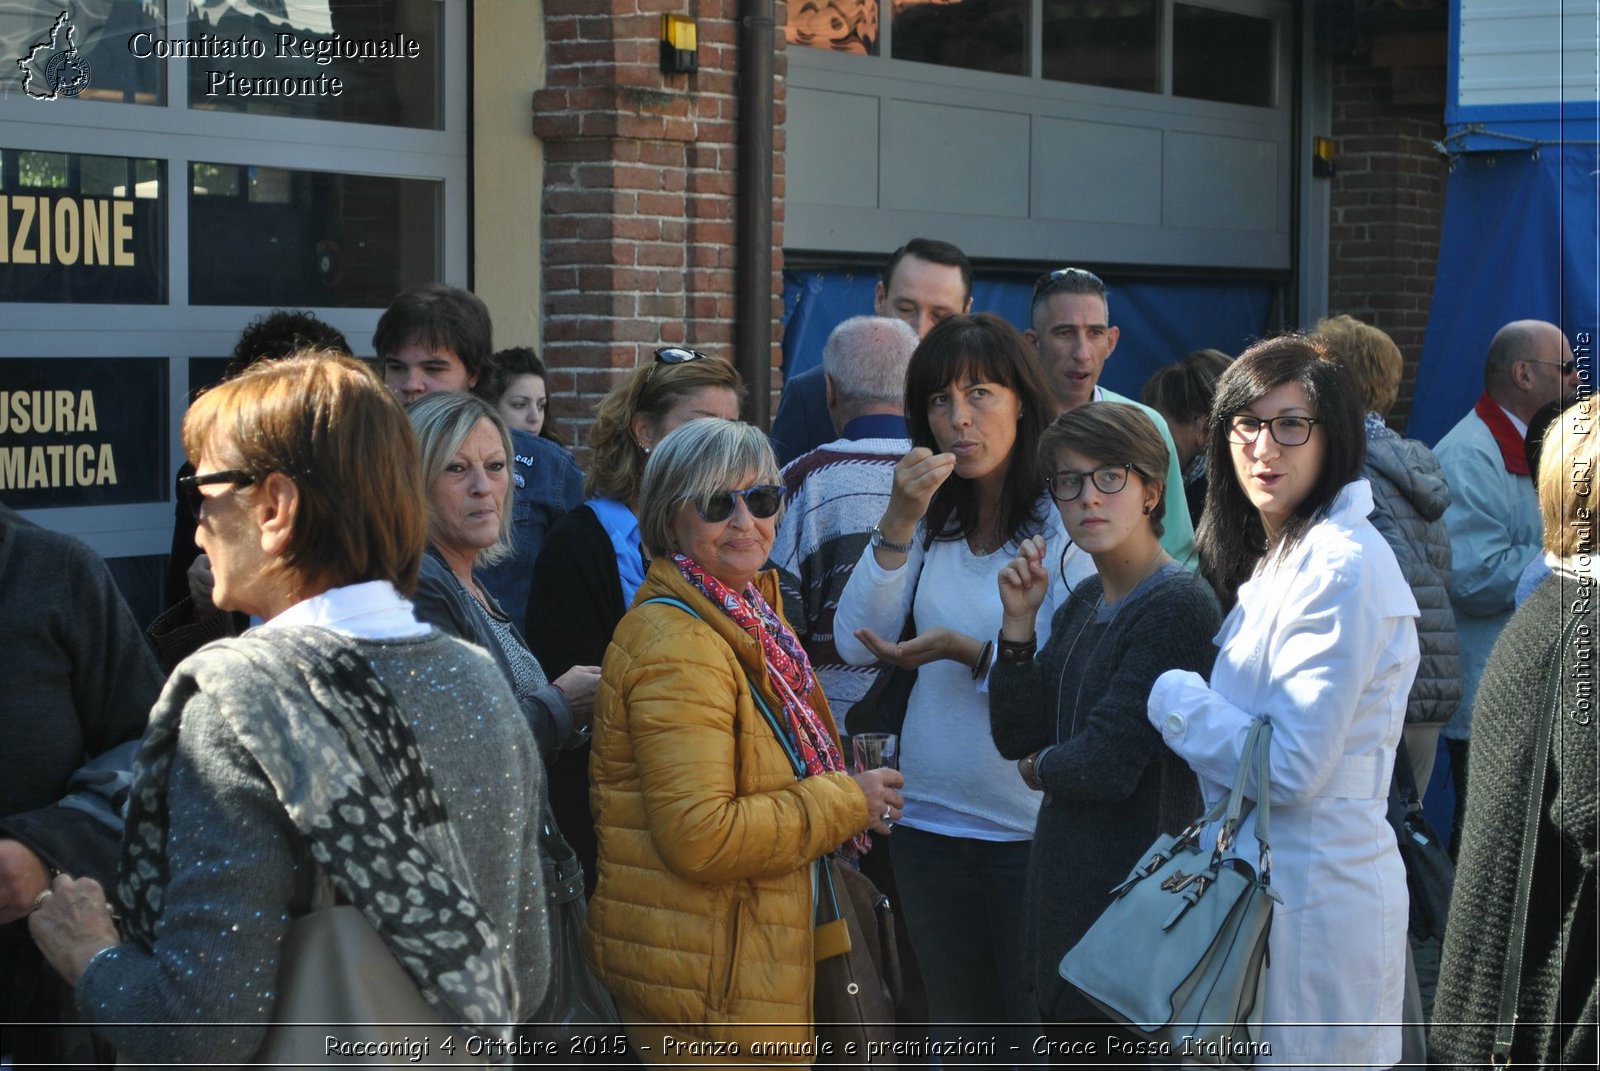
[190, 486]
[1567, 367]
[1078, 279]
[675, 355]
[762, 501]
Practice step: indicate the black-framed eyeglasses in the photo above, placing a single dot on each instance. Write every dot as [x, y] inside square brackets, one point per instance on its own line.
[190, 486]
[762, 501]
[1076, 279]
[1567, 367]
[1285, 430]
[1068, 486]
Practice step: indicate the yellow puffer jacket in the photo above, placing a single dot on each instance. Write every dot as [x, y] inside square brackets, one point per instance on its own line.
[703, 912]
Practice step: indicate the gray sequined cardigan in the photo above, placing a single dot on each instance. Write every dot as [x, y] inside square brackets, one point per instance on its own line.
[239, 872]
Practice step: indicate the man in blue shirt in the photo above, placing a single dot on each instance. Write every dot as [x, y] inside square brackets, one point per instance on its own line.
[440, 338]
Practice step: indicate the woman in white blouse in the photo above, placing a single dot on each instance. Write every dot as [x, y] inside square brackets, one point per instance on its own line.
[964, 498]
[1322, 640]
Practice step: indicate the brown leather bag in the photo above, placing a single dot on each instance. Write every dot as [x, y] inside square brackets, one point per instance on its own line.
[858, 968]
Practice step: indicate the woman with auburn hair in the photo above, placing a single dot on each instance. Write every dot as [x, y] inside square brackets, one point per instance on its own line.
[1321, 639]
[592, 561]
[964, 499]
[1073, 716]
[273, 759]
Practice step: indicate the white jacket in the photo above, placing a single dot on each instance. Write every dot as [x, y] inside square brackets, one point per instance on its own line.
[1323, 642]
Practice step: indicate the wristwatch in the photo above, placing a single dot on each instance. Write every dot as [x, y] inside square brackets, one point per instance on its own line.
[879, 540]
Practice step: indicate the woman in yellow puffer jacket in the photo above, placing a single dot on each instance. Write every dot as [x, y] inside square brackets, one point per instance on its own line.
[702, 922]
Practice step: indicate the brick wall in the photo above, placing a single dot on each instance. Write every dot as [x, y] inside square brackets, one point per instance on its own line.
[1386, 207]
[639, 195]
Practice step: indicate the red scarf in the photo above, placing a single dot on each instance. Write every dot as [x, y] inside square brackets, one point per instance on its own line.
[1513, 448]
[787, 667]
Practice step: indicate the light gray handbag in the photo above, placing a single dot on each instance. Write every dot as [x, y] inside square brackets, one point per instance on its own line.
[1179, 954]
[338, 980]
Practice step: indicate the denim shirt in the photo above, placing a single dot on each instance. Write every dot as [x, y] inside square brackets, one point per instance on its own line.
[546, 484]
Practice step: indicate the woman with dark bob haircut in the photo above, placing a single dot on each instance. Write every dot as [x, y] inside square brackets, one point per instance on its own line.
[965, 498]
[1321, 641]
[340, 749]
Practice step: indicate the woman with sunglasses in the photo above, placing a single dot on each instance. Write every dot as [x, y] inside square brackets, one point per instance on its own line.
[466, 469]
[592, 562]
[964, 498]
[1322, 640]
[701, 926]
[1073, 715]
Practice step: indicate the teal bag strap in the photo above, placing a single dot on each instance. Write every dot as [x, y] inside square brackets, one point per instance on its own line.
[824, 876]
[755, 693]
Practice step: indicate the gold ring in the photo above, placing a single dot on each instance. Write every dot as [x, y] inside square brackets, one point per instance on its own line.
[38, 901]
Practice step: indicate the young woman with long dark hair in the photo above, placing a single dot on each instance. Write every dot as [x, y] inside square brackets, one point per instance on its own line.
[1322, 640]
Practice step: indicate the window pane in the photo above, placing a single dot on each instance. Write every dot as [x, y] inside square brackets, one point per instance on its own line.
[838, 25]
[82, 228]
[354, 61]
[82, 431]
[980, 35]
[1217, 55]
[81, 51]
[1103, 44]
[268, 236]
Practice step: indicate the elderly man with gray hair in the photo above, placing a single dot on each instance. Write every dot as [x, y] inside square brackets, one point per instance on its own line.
[838, 491]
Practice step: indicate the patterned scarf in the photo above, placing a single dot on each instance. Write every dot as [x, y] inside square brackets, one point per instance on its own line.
[787, 666]
[347, 770]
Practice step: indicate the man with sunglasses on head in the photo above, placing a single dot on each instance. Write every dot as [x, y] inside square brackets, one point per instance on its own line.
[439, 338]
[923, 282]
[1493, 517]
[1071, 332]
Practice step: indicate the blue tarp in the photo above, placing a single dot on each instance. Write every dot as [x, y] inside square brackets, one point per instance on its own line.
[1521, 240]
[1160, 320]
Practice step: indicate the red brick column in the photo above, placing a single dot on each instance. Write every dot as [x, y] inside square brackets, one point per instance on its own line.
[1386, 208]
[638, 218]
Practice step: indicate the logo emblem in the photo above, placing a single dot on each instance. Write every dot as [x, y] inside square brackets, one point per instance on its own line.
[54, 67]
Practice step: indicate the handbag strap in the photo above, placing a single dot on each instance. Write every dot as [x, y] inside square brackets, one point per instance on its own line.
[1403, 783]
[824, 876]
[1511, 980]
[1235, 806]
[777, 727]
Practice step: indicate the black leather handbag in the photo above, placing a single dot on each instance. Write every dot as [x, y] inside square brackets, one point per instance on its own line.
[1430, 875]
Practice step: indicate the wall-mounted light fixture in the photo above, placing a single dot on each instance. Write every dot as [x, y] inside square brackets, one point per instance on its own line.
[1322, 154]
[680, 52]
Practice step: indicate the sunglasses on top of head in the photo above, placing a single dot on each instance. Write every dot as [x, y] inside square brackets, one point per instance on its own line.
[1077, 279]
[675, 355]
[762, 500]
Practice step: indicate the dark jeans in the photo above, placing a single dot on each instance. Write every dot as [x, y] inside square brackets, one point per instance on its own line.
[963, 906]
